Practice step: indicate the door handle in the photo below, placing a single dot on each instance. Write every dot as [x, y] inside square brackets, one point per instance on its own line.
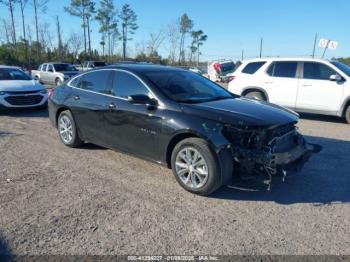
[76, 98]
[268, 82]
[112, 106]
[306, 85]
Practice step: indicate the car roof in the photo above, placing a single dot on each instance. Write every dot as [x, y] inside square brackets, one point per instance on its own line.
[6, 66]
[140, 68]
[296, 59]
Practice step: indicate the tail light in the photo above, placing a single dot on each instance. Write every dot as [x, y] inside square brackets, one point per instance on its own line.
[230, 78]
[217, 68]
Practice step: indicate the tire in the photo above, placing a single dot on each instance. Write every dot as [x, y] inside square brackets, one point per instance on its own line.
[66, 122]
[58, 82]
[202, 178]
[256, 95]
[347, 115]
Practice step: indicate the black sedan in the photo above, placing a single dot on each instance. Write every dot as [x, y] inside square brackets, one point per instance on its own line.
[179, 119]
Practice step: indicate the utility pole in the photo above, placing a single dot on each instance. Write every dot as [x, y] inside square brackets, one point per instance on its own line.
[242, 55]
[261, 45]
[314, 49]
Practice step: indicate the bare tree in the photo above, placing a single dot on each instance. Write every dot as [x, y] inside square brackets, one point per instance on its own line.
[75, 44]
[45, 36]
[22, 4]
[155, 41]
[173, 39]
[59, 37]
[7, 29]
[10, 4]
[40, 6]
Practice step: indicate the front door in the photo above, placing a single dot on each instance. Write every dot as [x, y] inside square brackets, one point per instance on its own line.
[281, 83]
[317, 93]
[132, 127]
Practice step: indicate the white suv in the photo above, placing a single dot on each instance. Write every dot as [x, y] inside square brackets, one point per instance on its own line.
[302, 84]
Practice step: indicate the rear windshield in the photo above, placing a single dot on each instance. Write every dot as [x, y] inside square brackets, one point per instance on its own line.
[12, 74]
[227, 67]
[251, 68]
[64, 67]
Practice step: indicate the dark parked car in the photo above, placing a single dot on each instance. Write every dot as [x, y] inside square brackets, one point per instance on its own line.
[179, 119]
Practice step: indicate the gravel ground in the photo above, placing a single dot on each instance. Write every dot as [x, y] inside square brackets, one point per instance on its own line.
[57, 200]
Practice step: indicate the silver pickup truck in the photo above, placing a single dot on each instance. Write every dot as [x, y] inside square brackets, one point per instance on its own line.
[54, 73]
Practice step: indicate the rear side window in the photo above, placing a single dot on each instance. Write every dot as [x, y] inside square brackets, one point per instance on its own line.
[317, 71]
[283, 69]
[251, 68]
[125, 84]
[44, 67]
[97, 81]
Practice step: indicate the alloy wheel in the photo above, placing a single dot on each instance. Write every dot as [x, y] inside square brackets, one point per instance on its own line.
[191, 168]
[65, 128]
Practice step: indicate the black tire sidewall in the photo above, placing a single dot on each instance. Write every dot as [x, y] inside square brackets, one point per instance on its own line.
[214, 176]
[347, 115]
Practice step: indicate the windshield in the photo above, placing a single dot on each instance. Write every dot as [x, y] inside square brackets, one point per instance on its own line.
[13, 74]
[342, 67]
[187, 87]
[64, 67]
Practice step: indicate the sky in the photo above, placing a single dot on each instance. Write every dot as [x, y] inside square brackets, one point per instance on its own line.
[288, 27]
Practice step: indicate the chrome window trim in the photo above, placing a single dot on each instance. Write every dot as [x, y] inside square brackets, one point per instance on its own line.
[114, 69]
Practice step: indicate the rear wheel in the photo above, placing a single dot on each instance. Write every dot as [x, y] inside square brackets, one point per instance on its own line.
[347, 115]
[195, 166]
[256, 95]
[67, 129]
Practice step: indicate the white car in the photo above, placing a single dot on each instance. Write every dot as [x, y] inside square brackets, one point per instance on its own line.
[301, 84]
[18, 90]
[218, 70]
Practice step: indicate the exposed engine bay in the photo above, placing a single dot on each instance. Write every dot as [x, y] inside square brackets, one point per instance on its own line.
[268, 152]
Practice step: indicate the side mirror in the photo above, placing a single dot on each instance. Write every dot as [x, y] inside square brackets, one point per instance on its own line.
[335, 78]
[151, 103]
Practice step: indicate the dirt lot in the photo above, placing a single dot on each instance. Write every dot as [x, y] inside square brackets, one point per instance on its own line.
[57, 200]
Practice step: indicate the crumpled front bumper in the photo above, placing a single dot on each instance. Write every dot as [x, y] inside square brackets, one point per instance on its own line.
[295, 159]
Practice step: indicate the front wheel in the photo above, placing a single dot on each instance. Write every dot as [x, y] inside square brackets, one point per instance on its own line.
[347, 115]
[196, 167]
[67, 129]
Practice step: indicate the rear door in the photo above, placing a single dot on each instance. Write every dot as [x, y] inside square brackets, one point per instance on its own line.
[317, 93]
[281, 83]
[89, 101]
[132, 127]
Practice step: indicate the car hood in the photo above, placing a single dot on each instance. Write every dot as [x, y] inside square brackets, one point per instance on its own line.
[243, 112]
[20, 85]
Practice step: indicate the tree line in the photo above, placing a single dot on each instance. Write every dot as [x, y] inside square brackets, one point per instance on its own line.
[33, 43]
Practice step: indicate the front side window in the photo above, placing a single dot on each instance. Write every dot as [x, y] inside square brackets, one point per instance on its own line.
[97, 81]
[12, 74]
[342, 67]
[125, 84]
[317, 71]
[186, 87]
[283, 69]
[50, 68]
[44, 68]
[251, 68]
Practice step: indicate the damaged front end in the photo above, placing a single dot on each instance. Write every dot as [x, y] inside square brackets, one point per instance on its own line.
[268, 152]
